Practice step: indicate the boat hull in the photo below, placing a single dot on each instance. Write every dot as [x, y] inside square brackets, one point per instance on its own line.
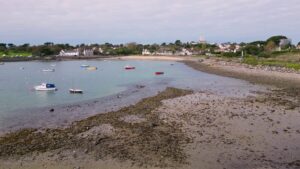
[44, 89]
[48, 70]
[75, 91]
[159, 73]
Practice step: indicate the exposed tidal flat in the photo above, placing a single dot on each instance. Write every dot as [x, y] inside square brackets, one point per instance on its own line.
[186, 120]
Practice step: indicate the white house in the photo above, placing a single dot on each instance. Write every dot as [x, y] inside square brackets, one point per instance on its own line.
[100, 50]
[88, 52]
[146, 52]
[285, 42]
[69, 53]
[227, 47]
[164, 53]
[184, 52]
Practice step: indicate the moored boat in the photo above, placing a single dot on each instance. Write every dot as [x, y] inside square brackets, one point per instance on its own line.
[76, 91]
[91, 68]
[84, 66]
[159, 73]
[129, 67]
[48, 70]
[45, 87]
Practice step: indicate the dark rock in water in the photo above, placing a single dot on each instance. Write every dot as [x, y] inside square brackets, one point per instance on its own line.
[140, 86]
[51, 110]
[200, 60]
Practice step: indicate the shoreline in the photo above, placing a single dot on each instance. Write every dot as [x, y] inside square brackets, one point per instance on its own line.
[252, 75]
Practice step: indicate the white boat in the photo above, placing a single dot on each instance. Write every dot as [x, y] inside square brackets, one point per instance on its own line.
[53, 65]
[48, 70]
[76, 91]
[45, 87]
[91, 68]
[84, 66]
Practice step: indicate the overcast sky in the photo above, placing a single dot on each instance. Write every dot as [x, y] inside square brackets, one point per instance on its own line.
[147, 21]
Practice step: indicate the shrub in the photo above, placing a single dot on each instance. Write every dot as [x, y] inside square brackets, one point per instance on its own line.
[251, 60]
[230, 54]
[264, 55]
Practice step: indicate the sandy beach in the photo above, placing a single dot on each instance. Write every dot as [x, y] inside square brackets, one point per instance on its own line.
[141, 57]
[177, 129]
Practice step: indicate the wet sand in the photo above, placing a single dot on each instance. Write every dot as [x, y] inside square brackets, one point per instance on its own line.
[174, 129]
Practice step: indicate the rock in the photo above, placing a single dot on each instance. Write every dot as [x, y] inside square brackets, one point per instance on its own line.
[51, 110]
[200, 60]
[140, 86]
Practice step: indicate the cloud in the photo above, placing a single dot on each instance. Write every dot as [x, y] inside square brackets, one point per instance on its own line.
[119, 21]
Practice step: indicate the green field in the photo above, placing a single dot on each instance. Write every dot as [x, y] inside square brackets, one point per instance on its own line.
[15, 54]
[288, 60]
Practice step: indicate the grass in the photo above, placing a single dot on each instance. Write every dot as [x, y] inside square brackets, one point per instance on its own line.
[278, 62]
[15, 54]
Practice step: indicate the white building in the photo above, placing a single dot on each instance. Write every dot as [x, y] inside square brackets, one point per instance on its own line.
[88, 52]
[227, 47]
[164, 53]
[69, 53]
[202, 40]
[184, 52]
[100, 50]
[146, 52]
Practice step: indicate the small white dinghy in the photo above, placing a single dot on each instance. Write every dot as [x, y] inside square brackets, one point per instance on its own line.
[85, 66]
[48, 70]
[45, 87]
[76, 91]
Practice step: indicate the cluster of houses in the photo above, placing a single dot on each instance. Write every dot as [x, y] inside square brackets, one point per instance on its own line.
[228, 47]
[223, 48]
[77, 52]
[166, 51]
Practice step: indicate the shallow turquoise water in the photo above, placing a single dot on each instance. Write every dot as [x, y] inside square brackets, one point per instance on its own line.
[16, 85]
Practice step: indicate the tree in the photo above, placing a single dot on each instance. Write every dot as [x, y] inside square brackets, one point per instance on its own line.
[270, 46]
[3, 47]
[178, 43]
[276, 39]
[253, 49]
[48, 43]
[11, 45]
[258, 43]
[25, 45]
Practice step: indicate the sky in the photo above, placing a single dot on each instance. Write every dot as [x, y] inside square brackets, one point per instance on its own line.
[146, 21]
